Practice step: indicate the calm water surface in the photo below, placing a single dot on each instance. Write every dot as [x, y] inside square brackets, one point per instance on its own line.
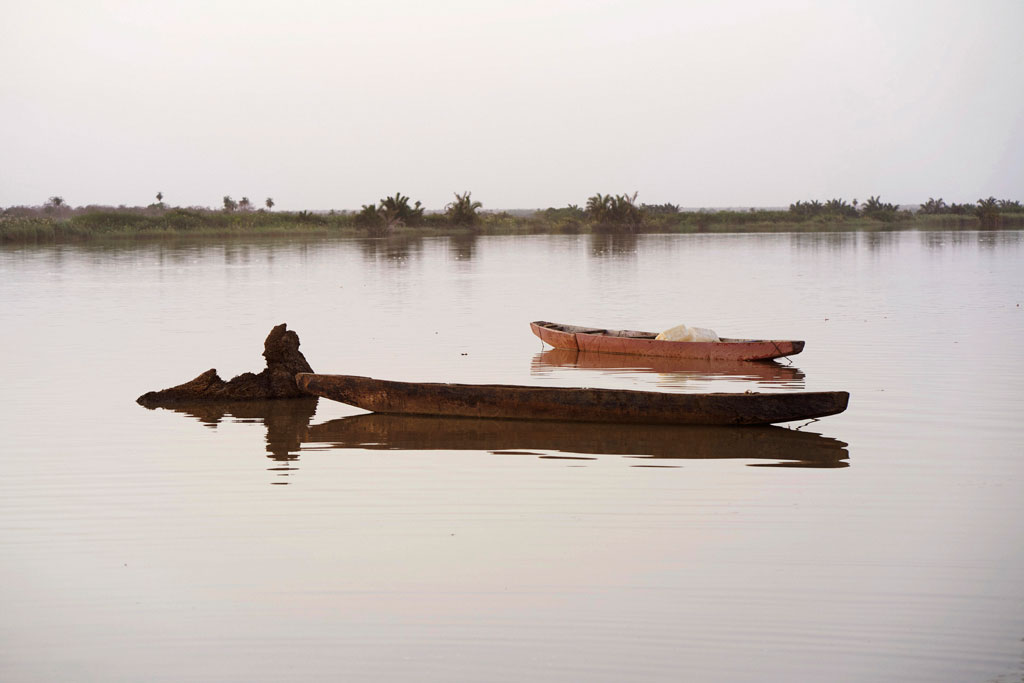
[311, 541]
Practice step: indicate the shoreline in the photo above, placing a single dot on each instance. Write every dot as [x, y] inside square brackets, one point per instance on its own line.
[121, 227]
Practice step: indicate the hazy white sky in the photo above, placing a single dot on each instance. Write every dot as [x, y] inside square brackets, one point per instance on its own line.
[527, 104]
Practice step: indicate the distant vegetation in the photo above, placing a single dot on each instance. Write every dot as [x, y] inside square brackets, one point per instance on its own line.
[615, 212]
[391, 213]
[989, 210]
[56, 221]
[463, 211]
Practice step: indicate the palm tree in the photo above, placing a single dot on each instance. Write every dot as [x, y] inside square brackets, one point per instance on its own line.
[615, 210]
[839, 207]
[229, 203]
[987, 209]
[160, 197]
[269, 203]
[244, 204]
[463, 210]
[874, 203]
[406, 214]
[875, 208]
[597, 206]
[934, 206]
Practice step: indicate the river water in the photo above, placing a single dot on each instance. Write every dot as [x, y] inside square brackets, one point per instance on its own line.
[311, 541]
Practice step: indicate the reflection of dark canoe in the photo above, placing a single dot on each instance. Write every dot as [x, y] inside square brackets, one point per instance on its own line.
[283, 411]
[407, 432]
[285, 419]
[600, 340]
[764, 371]
[572, 404]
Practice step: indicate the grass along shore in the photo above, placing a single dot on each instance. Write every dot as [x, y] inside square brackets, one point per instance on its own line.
[63, 224]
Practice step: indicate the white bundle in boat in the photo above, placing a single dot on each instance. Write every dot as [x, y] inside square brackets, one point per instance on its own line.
[688, 334]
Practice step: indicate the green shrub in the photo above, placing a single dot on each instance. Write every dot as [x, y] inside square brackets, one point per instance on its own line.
[184, 219]
[110, 221]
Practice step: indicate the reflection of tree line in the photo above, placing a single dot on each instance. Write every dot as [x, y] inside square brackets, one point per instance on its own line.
[884, 239]
[401, 249]
[289, 431]
[628, 246]
[603, 245]
[464, 247]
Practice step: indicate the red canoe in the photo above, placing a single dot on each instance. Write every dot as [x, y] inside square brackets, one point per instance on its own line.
[633, 342]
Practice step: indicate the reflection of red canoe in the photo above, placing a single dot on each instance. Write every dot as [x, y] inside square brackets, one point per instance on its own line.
[572, 404]
[600, 340]
[697, 368]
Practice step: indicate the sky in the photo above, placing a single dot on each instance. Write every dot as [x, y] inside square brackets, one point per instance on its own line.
[526, 104]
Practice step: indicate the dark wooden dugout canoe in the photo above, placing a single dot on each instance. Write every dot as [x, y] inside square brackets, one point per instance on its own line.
[634, 342]
[572, 404]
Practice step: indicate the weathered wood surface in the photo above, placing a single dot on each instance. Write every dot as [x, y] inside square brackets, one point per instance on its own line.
[635, 342]
[572, 404]
[277, 380]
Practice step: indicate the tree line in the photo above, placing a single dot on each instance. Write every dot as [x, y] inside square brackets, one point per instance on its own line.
[602, 213]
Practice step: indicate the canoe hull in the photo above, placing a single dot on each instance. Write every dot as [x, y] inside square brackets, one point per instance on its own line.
[633, 342]
[572, 404]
